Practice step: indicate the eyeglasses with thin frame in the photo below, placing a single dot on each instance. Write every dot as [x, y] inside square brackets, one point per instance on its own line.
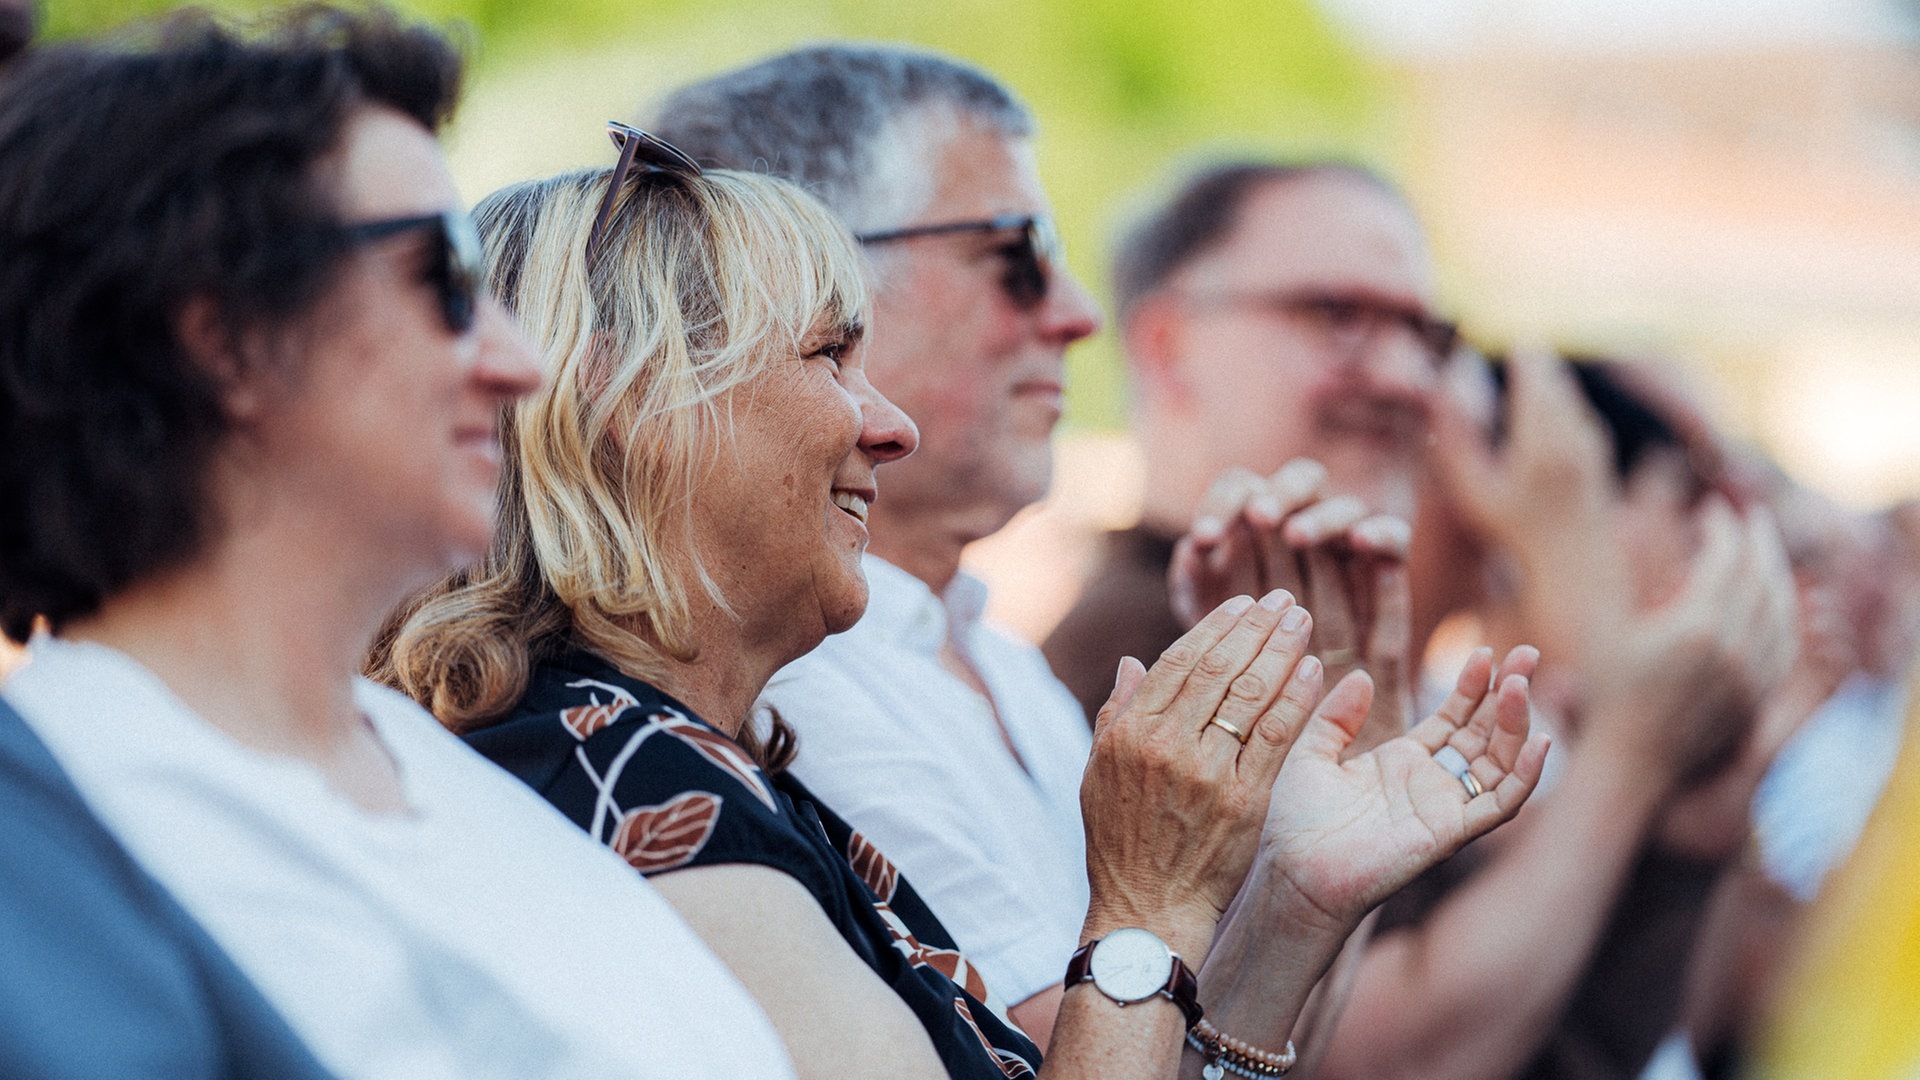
[641, 154]
[1347, 321]
[459, 261]
[1031, 255]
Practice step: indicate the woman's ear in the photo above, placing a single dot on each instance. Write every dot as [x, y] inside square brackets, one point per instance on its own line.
[212, 345]
[1150, 334]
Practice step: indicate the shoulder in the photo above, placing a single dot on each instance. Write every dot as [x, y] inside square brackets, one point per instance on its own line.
[106, 975]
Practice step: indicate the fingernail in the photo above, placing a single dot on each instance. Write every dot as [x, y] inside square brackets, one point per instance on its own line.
[1238, 605]
[1276, 600]
[1309, 666]
[1294, 619]
[1266, 506]
[1207, 528]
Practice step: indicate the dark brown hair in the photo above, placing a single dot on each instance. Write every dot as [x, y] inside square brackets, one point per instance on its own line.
[1202, 213]
[174, 161]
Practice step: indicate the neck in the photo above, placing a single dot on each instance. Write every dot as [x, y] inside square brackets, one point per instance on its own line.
[726, 678]
[261, 645]
[1174, 483]
[924, 546]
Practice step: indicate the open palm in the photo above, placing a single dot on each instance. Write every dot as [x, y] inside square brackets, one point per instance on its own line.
[1345, 836]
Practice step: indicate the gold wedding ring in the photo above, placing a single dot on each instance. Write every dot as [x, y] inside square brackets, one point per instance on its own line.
[1238, 735]
[1339, 657]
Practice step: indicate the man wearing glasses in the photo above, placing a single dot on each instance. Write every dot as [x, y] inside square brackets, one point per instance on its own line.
[1268, 312]
[945, 742]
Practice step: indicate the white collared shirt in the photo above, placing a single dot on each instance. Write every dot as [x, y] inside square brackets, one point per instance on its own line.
[913, 757]
[480, 935]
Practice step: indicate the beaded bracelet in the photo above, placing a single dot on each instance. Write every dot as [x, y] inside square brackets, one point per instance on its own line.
[1227, 1054]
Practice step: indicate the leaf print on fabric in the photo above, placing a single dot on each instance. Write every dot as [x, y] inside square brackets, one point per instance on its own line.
[873, 867]
[945, 961]
[668, 836]
[721, 751]
[584, 720]
[1012, 1065]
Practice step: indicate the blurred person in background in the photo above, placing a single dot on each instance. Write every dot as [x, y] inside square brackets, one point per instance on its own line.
[686, 513]
[250, 386]
[1583, 521]
[1855, 579]
[931, 163]
[1271, 312]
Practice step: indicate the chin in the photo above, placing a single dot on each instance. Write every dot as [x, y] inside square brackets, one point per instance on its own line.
[466, 537]
[840, 613]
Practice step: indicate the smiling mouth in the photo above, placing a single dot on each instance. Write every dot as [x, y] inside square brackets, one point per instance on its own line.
[853, 504]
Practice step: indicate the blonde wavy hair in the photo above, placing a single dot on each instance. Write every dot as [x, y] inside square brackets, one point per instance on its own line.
[699, 283]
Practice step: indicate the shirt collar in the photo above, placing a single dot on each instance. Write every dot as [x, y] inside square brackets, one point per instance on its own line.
[901, 607]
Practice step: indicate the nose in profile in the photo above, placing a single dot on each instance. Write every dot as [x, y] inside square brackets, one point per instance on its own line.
[1068, 313]
[886, 432]
[506, 363]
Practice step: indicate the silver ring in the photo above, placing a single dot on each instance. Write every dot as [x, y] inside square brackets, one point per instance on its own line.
[1456, 763]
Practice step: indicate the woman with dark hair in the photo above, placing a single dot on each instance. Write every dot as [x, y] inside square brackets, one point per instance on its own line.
[685, 512]
[249, 395]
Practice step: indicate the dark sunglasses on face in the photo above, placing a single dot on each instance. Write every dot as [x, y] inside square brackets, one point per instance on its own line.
[1031, 254]
[641, 154]
[458, 260]
[1350, 321]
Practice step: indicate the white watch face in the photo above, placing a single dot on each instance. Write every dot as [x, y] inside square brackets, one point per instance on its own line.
[1131, 965]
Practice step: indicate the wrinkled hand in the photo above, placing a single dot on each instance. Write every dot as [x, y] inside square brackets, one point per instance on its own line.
[1173, 801]
[1680, 687]
[1347, 566]
[1344, 836]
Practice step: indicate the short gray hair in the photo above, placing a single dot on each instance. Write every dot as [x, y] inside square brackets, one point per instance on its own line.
[853, 124]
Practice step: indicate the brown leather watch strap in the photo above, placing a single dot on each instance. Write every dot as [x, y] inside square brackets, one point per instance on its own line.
[1182, 988]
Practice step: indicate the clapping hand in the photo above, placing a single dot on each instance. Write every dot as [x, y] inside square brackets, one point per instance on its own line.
[1183, 767]
[1346, 564]
[1342, 836]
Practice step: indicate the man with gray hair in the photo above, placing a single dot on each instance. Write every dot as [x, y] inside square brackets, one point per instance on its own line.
[943, 740]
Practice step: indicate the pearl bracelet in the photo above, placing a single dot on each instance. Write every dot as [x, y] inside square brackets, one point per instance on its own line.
[1226, 1054]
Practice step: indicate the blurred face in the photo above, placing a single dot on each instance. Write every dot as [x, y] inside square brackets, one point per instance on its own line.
[1654, 524]
[981, 375]
[388, 436]
[781, 518]
[1270, 357]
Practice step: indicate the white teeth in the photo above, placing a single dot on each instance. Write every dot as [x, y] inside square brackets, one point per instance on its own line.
[852, 504]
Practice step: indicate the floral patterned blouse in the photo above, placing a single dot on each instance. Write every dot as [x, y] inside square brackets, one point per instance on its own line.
[645, 776]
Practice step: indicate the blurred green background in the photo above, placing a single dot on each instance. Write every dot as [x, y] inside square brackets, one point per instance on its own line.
[1127, 93]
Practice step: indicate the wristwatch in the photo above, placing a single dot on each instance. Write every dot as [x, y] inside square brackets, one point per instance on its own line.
[1133, 965]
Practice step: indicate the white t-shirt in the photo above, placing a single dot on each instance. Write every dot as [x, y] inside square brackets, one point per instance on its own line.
[481, 935]
[912, 757]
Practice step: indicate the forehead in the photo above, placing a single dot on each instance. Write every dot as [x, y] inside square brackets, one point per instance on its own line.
[980, 173]
[1325, 230]
[389, 166]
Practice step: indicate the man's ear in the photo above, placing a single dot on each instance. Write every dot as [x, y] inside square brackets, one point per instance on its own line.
[1151, 335]
[212, 345]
